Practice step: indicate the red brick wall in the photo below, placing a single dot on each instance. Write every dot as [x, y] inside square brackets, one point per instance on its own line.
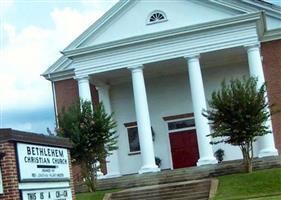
[66, 93]
[271, 52]
[9, 172]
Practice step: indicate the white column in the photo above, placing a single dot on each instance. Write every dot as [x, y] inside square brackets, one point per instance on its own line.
[266, 142]
[199, 103]
[143, 121]
[112, 162]
[85, 95]
[84, 89]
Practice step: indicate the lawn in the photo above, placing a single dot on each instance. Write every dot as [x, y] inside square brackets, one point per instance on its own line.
[265, 184]
[98, 195]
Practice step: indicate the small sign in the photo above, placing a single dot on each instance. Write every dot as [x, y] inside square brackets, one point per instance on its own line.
[42, 163]
[47, 194]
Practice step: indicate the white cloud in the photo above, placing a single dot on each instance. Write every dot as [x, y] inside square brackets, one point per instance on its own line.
[5, 5]
[28, 52]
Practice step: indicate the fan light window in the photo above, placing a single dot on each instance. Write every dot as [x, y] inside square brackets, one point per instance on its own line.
[156, 17]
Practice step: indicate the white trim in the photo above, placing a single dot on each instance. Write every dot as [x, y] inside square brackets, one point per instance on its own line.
[167, 48]
[43, 185]
[271, 35]
[182, 129]
[164, 34]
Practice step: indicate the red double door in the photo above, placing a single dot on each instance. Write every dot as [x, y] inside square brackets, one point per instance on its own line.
[184, 148]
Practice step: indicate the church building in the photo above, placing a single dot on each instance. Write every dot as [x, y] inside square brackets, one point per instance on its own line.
[155, 64]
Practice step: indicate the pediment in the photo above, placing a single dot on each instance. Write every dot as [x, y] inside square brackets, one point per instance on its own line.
[134, 19]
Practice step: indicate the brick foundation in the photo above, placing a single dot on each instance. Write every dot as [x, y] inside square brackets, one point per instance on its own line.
[271, 52]
[9, 172]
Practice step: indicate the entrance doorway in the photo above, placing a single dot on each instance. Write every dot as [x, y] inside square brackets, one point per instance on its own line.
[184, 148]
[183, 140]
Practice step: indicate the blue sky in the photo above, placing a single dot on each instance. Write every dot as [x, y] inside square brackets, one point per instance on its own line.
[31, 35]
[32, 32]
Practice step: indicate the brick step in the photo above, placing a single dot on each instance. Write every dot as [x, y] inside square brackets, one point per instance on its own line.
[172, 195]
[195, 196]
[187, 188]
[152, 181]
[183, 190]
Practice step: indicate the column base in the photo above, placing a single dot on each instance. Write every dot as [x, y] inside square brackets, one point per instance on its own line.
[149, 169]
[207, 161]
[268, 152]
[112, 175]
[100, 175]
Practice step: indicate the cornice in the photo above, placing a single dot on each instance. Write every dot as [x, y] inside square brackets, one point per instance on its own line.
[99, 23]
[164, 34]
[60, 75]
[272, 35]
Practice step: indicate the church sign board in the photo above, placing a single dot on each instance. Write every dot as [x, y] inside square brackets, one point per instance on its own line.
[47, 163]
[35, 167]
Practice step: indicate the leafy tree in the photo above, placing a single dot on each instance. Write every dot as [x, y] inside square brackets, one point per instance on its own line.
[92, 134]
[238, 114]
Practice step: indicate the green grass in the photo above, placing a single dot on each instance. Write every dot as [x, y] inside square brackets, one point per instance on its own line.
[98, 195]
[265, 184]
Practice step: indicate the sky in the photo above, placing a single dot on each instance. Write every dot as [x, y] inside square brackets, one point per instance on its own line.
[32, 33]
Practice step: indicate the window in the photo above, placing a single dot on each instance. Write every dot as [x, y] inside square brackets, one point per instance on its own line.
[133, 137]
[181, 124]
[156, 17]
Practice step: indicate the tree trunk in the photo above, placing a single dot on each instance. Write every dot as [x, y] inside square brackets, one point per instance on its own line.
[247, 158]
[88, 174]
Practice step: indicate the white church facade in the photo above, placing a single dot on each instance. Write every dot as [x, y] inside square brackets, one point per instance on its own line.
[154, 64]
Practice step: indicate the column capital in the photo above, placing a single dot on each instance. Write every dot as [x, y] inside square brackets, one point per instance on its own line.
[136, 68]
[192, 56]
[102, 86]
[83, 78]
[252, 47]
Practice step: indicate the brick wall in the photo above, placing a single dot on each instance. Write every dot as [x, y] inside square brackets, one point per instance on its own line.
[66, 93]
[9, 172]
[271, 52]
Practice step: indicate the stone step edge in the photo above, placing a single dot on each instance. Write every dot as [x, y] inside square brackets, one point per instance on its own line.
[213, 187]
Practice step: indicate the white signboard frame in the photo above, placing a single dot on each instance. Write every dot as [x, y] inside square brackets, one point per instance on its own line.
[47, 194]
[42, 163]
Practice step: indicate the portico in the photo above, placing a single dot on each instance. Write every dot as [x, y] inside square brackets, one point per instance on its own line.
[190, 67]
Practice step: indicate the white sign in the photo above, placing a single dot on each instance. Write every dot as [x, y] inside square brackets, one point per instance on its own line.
[47, 194]
[42, 163]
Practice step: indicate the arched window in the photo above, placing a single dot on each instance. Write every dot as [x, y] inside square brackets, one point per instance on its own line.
[156, 17]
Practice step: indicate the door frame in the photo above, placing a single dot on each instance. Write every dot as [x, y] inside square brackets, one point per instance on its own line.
[175, 118]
